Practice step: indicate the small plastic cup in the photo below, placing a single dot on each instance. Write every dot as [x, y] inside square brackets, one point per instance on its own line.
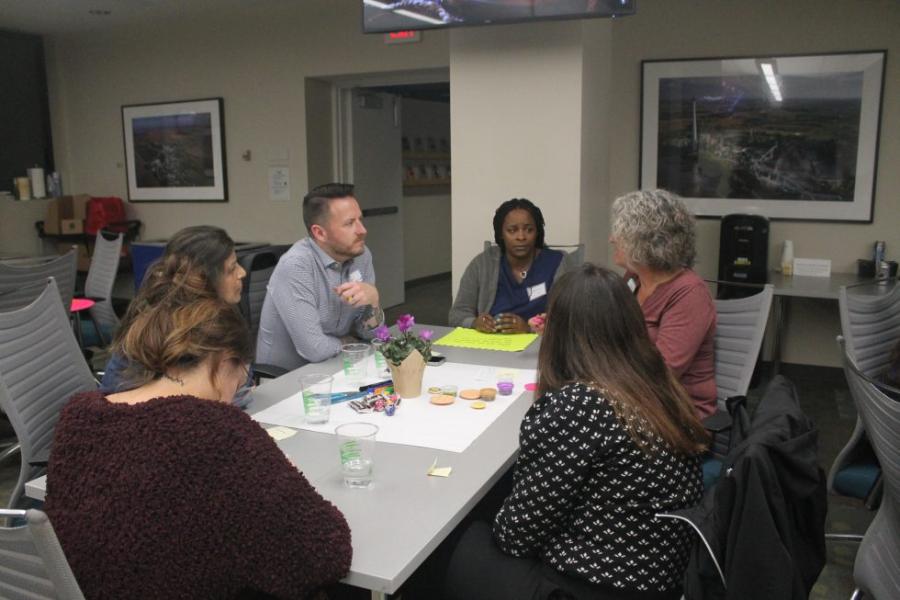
[505, 382]
[316, 390]
[380, 363]
[356, 446]
[354, 357]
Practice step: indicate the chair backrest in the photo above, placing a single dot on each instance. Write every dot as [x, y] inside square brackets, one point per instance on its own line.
[877, 568]
[41, 366]
[740, 327]
[21, 284]
[34, 565]
[101, 277]
[870, 324]
[259, 267]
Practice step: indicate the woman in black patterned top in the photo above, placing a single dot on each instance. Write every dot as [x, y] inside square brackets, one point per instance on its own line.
[611, 440]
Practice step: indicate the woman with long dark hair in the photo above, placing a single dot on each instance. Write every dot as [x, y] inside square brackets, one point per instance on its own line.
[611, 440]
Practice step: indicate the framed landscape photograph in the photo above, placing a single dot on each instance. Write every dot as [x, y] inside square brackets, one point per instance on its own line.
[788, 137]
[175, 151]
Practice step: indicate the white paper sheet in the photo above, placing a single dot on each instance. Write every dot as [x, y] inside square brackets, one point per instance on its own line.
[417, 422]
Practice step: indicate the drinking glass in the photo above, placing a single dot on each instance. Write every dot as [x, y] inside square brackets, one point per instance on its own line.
[355, 359]
[316, 389]
[356, 445]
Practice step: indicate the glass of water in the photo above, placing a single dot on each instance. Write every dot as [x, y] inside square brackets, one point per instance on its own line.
[356, 445]
[380, 363]
[355, 358]
[316, 389]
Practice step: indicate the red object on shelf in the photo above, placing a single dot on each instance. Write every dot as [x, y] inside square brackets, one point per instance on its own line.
[80, 304]
[101, 212]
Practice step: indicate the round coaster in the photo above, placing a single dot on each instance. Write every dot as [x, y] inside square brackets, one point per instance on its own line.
[478, 405]
[435, 389]
[442, 400]
[488, 394]
[470, 394]
[531, 387]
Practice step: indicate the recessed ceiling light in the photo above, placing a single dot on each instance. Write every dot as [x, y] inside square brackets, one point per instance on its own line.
[100, 12]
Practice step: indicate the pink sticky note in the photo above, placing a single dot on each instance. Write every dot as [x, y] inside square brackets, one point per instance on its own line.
[530, 387]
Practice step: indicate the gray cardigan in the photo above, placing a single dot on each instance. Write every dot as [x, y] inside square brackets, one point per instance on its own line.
[478, 286]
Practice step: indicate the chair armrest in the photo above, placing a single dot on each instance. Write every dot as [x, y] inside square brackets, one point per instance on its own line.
[40, 459]
[268, 371]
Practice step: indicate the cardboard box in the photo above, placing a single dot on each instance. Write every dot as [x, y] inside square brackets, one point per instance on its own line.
[67, 226]
[84, 257]
[66, 208]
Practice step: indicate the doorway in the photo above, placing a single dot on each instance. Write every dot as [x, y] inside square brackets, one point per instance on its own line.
[391, 139]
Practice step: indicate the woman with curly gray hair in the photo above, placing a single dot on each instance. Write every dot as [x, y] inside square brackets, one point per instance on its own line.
[654, 238]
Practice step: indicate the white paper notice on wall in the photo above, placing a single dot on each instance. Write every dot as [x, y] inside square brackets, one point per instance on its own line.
[279, 184]
[812, 267]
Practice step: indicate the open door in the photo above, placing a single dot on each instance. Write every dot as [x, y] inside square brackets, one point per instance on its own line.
[370, 158]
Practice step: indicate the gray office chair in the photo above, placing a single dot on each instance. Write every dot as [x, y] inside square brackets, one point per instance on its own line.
[870, 326]
[99, 284]
[740, 327]
[41, 366]
[877, 567]
[21, 284]
[34, 565]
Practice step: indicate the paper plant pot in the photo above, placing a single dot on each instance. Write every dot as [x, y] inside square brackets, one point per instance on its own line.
[407, 375]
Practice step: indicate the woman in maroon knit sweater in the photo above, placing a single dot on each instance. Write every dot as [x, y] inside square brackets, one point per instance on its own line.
[169, 491]
[653, 239]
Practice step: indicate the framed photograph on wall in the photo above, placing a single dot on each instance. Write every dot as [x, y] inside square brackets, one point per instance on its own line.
[789, 137]
[175, 151]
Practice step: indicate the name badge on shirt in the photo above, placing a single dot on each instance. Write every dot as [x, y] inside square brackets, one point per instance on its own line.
[537, 291]
[356, 276]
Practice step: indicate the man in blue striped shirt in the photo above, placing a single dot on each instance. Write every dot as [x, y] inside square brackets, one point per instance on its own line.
[322, 293]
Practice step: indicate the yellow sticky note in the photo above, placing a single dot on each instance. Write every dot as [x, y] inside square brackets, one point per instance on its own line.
[436, 471]
[280, 433]
[463, 337]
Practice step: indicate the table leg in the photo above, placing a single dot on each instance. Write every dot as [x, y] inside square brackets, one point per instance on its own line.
[782, 308]
[379, 595]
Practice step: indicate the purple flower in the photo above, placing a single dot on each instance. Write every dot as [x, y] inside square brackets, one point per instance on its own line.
[382, 333]
[426, 334]
[405, 323]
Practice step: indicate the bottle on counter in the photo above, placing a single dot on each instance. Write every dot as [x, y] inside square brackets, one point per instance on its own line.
[787, 258]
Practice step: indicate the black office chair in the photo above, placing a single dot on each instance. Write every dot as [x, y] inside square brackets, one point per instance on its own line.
[762, 526]
[259, 265]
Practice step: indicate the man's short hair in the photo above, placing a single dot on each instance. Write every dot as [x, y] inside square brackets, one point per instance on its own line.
[316, 202]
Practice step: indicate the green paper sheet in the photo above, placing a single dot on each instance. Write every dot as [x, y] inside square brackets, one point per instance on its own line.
[463, 337]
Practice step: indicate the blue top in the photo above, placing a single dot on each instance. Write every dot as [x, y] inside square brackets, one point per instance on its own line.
[114, 381]
[528, 298]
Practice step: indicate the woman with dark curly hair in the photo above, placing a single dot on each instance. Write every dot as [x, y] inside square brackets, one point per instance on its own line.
[507, 284]
[654, 239]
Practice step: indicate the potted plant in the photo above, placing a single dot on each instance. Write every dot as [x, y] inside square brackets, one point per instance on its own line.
[406, 355]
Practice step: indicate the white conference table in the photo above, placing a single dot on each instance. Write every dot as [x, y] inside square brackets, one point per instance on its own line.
[405, 514]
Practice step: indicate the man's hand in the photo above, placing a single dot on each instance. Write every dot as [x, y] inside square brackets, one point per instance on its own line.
[511, 323]
[485, 324]
[358, 293]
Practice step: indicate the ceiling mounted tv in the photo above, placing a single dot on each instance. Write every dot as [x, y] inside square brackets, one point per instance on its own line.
[382, 16]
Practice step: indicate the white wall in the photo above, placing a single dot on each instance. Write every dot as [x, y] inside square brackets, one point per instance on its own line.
[713, 28]
[257, 62]
[426, 216]
[516, 125]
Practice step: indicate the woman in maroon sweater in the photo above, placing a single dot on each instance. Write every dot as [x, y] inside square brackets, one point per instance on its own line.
[653, 238]
[169, 491]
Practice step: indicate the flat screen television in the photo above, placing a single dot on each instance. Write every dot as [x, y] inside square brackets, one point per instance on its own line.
[382, 16]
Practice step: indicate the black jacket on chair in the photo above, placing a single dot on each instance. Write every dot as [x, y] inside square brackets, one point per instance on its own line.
[764, 520]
